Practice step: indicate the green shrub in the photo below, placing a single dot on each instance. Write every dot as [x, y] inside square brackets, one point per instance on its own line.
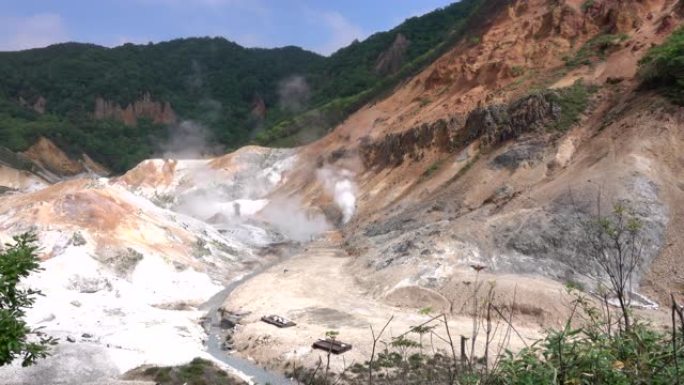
[581, 356]
[662, 67]
[517, 71]
[596, 49]
[17, 340]
[573, 101]
[198, 372]
[586, 5]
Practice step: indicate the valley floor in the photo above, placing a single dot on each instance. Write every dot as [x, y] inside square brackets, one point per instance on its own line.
[318, 290]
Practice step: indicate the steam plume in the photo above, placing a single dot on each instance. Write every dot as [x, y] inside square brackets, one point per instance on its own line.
[189, 140]
[294, 93]
[291, 219]
[340, 184]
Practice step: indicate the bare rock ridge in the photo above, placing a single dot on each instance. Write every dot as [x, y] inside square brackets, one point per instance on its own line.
[42, 164]
[159, 112]
[52, 160]
[497, 123]
[38, 105]
[46, 154]
[259, 108]
[23, 163]
[491, 125]
[392, 59]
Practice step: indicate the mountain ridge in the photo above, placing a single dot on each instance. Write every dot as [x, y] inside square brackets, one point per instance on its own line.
[211, 81]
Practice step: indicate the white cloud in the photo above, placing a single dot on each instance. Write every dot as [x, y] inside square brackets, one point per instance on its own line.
[342, 31]
[33, 31]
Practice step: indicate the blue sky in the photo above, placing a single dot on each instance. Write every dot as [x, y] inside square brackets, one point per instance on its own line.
[317, 25]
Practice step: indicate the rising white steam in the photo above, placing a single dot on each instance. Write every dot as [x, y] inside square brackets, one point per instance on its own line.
[294, 93]
[189, 140]
[236, 202]
[290, 218]
[340, 184]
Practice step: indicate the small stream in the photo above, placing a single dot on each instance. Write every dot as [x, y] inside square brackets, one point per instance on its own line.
[257, 374]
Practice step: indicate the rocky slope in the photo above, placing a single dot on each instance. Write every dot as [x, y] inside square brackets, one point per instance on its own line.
[157, 112]
[479, 148]
[128, 260]
[462, 165]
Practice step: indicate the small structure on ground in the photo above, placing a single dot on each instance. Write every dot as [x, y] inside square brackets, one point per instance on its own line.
[333, 346]
[278, 321]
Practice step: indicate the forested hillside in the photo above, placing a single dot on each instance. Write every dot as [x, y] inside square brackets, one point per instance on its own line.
[240, 94]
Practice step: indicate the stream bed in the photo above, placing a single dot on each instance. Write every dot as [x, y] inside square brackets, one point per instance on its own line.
[256, 373]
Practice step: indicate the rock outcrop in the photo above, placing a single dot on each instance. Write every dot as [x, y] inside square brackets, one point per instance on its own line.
[38, 105]
[159, 112]
[48, 155]
[491, 125]
[258, 108]
[395, 148]
[391, 60]
[50, 159]
[499, 123]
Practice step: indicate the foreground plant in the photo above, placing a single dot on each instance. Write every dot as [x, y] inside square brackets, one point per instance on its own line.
[17, 340]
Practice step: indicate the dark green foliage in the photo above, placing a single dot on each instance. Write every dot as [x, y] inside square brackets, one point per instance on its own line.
[584, 356]
[211, 81]
[17, 340]
[351, 70]
[185, 72]
[208, 80]
[663, 67]
[197, 372]
[587, 4]
[109, 142]
[348, 79]
[573, 101]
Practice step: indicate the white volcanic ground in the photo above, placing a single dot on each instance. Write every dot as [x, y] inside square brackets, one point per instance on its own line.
[127, 261]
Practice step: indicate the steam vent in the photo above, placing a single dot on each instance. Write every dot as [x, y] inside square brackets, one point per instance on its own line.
[489, 192]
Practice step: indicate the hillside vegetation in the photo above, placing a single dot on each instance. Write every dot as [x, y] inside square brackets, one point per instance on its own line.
[211, 81]
[663, 67]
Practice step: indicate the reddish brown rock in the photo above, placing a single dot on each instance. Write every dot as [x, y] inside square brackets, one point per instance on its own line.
[159, 112]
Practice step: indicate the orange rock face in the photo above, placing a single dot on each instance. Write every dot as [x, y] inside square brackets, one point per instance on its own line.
[48, 155]
[159, 112]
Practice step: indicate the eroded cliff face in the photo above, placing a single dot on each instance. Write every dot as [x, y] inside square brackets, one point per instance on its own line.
[51, 158]
[159, 112]
[46, 154]
[393, 58]
[490, 126]
[38, 104]
[259, 108]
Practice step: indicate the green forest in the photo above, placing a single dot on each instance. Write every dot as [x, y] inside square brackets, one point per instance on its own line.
[211, 81]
